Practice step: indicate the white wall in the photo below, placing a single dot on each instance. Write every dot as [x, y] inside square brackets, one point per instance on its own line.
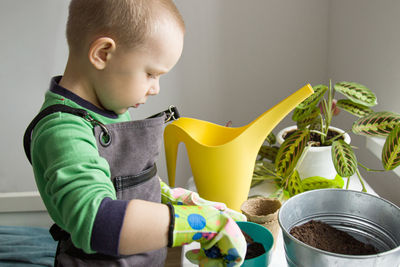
[364, 45]
[32, 50]
[240, 58]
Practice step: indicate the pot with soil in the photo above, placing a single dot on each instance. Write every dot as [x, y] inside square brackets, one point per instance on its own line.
[317, 160]
[342, 228]
[259, 244]
[316, 155]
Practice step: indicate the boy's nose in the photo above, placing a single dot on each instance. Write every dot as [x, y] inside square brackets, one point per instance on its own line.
[155, 89]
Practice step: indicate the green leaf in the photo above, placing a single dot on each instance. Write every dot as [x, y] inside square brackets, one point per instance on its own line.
[354, 108]
[268, 152]
[263, 168]
[312, 100]
[301, 114]
[271, 138]
[280, 194]
[294, 185]
[343, 157]
[317, 182]
[376, 124]
[312, 118]
[357, 93]
[290, 151]
[391, 149]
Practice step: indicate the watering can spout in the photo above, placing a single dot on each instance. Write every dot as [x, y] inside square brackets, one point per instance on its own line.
[261, 127]
[222, 158]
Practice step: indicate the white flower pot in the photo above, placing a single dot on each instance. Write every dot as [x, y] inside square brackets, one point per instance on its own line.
[318, 160]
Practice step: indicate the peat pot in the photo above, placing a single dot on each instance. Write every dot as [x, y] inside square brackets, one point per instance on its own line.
[368, 218]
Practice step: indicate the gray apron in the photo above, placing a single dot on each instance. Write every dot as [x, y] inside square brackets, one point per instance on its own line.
[131, 149]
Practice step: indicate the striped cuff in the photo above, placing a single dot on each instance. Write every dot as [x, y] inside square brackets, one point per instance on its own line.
[107, 226]
[171, 225]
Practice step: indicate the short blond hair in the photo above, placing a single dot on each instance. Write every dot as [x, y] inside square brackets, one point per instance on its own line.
[128, 22]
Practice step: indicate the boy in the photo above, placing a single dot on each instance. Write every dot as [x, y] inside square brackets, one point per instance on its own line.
[95, 168]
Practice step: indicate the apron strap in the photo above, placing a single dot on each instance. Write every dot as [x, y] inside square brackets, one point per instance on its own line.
[171, 114]
[47, 111]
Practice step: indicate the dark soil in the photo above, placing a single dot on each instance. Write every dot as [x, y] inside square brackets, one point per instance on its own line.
[254, 249]
[315, 138]
[323, 236]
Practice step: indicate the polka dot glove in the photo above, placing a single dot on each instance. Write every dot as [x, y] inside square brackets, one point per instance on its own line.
[222, 242]
[180, 196]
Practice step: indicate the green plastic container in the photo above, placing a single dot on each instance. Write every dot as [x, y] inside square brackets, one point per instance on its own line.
[261, 235]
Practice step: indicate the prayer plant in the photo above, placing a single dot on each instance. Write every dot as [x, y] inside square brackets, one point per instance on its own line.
[313, 118]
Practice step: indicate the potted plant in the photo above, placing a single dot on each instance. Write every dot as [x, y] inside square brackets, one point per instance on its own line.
[313, 118]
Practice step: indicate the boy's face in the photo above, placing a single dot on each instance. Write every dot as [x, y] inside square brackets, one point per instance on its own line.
[131, 76]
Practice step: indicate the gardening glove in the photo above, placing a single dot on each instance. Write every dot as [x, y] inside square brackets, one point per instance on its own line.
[181, 196]
[221, 240]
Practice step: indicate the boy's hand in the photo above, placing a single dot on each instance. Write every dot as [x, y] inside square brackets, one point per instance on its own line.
[198, 256]
[181, 196]
[222, 242]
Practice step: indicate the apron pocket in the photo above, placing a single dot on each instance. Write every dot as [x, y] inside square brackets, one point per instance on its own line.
[125, 182]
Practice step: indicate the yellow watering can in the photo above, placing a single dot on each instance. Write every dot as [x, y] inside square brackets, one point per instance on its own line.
[222, 158]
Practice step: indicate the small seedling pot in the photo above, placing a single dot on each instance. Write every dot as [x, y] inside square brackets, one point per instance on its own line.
[263, 211]
[369, 219]
[261, 235]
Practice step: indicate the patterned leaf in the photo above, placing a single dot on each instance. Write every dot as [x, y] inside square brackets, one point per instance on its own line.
[294, 185]
[290, 151]
[376, 124]
[391, 150]
[268, 152]
[312, 100]
[271, 138]
[301, 114]
[343, 157]
[354, 108]
[317, 182]
[357, 93]
[312, 118]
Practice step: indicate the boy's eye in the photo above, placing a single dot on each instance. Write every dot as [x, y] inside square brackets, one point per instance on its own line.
[151, 76]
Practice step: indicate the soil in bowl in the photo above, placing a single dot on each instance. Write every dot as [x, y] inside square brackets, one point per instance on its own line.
[323, 236]
[254, 249]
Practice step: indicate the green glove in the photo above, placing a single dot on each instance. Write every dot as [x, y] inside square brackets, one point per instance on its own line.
[222, 242]
[181, 196]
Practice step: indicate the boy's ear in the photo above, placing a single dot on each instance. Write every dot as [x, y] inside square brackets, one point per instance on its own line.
[101, 51]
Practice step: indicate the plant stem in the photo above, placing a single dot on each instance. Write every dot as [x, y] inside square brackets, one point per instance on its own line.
[324, 127]
[368, 169]
[348, 182]
[303, 155]
[361, 180]
[318, 132]
[270, 172]
[337, 137]
[263, 178]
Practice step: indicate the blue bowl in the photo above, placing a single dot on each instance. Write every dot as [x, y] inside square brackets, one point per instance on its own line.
[261, 235]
